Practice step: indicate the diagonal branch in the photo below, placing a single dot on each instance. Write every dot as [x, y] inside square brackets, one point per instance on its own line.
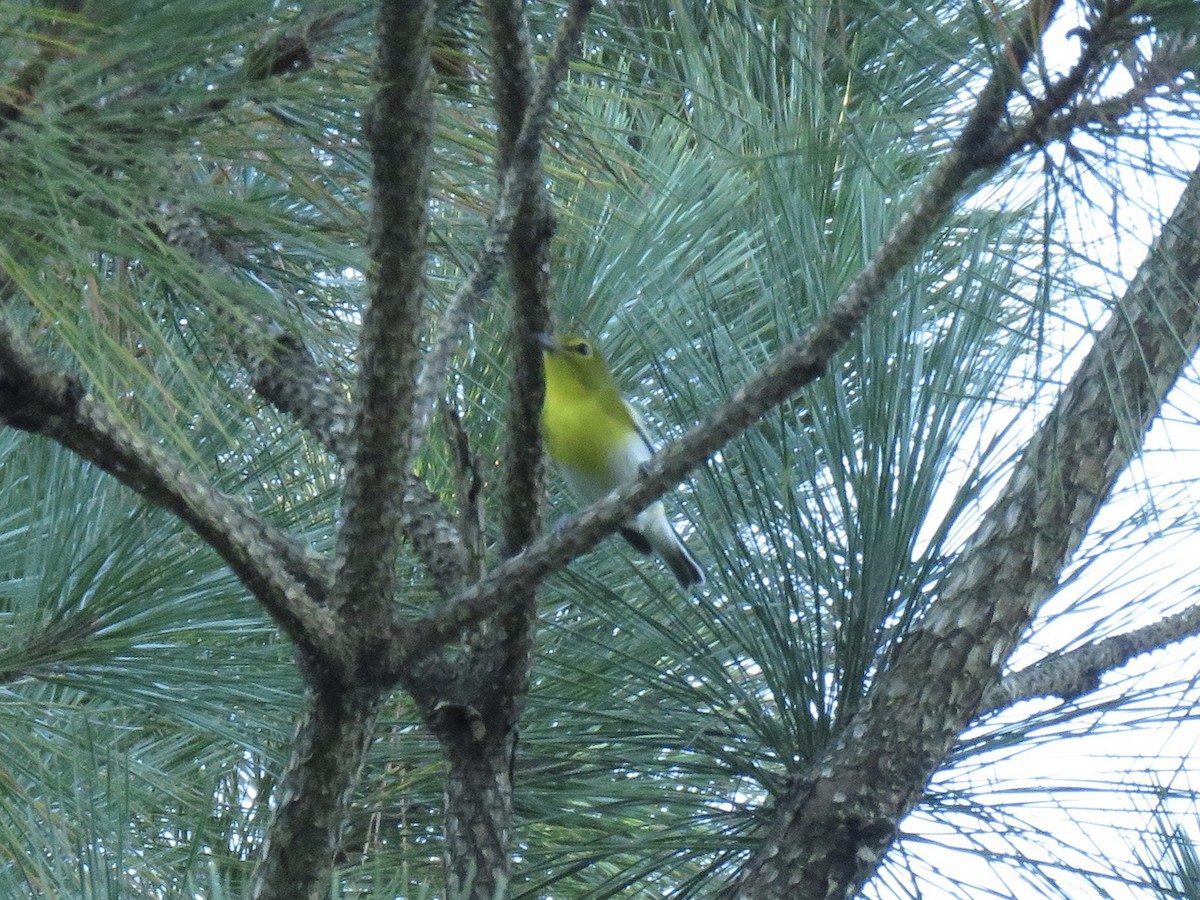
[400, 132]
[1038, 127]
[285, 576]
[289, 379]
[833, 825]
[797, 365]
[1078, 672]
[478, 725]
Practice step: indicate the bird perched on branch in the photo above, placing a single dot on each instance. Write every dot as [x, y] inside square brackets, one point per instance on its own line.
[598, 442]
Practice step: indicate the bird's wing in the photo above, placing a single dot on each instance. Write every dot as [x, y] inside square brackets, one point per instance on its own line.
[640, 424]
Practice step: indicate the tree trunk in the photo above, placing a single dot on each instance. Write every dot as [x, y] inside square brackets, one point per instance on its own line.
[479, 817]
[314, 795]
[834, 825]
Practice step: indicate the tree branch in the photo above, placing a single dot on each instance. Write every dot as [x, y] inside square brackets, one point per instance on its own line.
[477, 724]
[833, 825]
[797, 365]
[520, 174]
[291, 381]
[1077, 672]
[313, 797]
[400, 132]
[1036, 129]
[1163, 69]
[288, 378]
[287, 578]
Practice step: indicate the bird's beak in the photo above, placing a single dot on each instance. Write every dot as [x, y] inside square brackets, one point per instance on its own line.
[546, 341]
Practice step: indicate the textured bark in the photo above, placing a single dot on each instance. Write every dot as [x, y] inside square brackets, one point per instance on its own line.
[340, 711]
[522, 112]
[479, 815]
[284, 575]
[400, 133]
[1079, 671]
[313, 799]
[290, 380]
[529, 277]
[833, 826]
[479, 733]
[797, 365]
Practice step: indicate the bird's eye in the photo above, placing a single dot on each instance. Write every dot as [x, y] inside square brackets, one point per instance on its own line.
[582, 349]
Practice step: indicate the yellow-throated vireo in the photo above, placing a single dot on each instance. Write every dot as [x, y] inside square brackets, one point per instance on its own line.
[598, 442]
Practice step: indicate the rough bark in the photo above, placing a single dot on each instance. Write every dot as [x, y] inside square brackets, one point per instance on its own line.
[340, 711]
[284, 575]
[291, 381]
[313, 799]
[400, 133]
[832, 827]
[523, 113]
[480, 733]
[479, 810]
[1079, 671]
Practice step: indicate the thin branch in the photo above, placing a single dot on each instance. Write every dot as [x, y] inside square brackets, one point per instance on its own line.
[286, 577]
[400, 132]
[984, 122]
[1162, 71]
[288, 378]
[519, 178]
[1077, 672]
[468, 489]
[291, 381]
[797, 365]
[1035, 129]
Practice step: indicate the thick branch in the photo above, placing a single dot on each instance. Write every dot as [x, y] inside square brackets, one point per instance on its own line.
[288, 378]
[314, 796]
[479, 730]
[1079, 671]
[1163, 70]
[285, 576]
[833, 826]
[400, 130]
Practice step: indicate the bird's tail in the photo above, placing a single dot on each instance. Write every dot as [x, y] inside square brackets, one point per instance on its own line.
[670, 548]
[681, 562]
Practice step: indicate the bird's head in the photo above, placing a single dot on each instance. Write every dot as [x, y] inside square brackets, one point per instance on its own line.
[572, 359]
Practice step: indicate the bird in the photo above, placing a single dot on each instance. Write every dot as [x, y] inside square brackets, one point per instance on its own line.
[599, 442]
